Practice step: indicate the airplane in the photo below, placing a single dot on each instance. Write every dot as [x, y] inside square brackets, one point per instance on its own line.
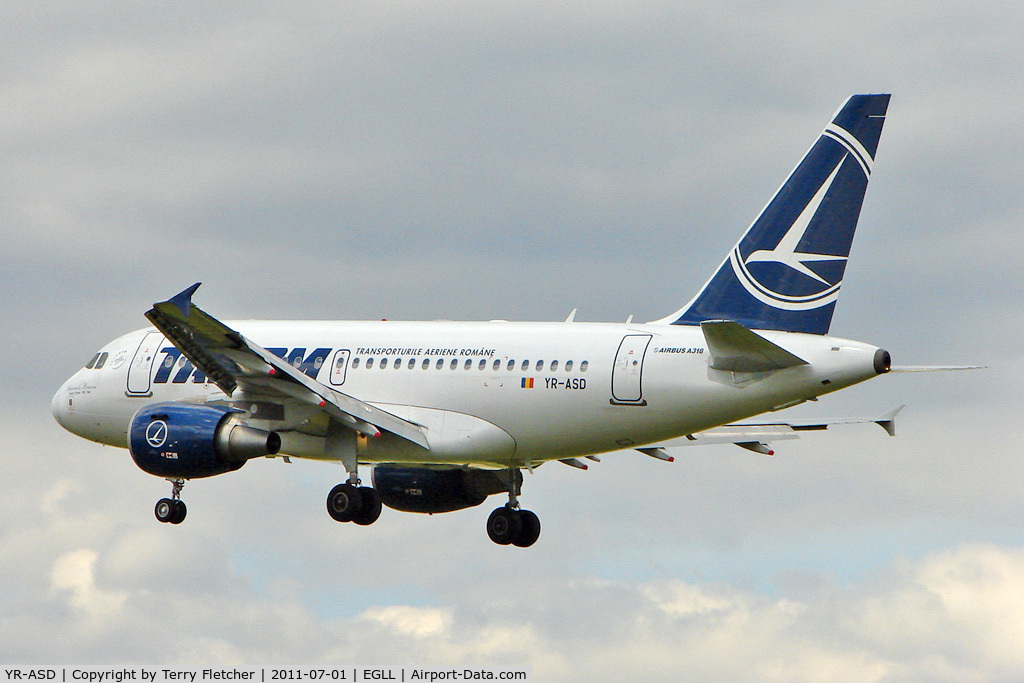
[450, 413]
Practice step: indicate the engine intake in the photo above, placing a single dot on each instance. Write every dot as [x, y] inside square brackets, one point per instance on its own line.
[178, 440]
[431, 490]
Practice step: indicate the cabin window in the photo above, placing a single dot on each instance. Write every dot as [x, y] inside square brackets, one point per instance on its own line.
[426, 363]
[412, 363]
[554, 365]
[383, 363]
[469, 363]
[568, 366]
[511, 365]
[483, 364]
[341, 361]
[440, 363]
[526, 365]
[369, 363]
[455, 363]
[584, 365]
[497, 364]
[540, 365]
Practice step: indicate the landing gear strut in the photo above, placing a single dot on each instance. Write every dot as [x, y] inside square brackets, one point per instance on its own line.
[349, 502]
[509, 525]
[172, 510]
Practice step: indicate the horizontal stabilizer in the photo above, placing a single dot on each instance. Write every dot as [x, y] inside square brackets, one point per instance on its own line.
[734, 348]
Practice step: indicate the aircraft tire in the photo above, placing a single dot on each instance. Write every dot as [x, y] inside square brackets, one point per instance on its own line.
[179, 512]
[371, 507]
[164, 510]
[530, 530]
[504, 525]
[344, 502]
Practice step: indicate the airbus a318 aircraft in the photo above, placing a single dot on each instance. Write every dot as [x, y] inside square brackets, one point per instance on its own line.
[449, 413]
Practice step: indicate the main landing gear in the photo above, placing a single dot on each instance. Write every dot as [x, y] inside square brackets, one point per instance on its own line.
[172, 510]
[350, 502]
[509, 525]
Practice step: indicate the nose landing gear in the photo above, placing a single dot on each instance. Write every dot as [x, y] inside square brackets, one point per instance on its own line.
[172, 510]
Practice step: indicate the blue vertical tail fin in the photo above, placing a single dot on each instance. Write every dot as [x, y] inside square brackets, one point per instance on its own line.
[786, 270]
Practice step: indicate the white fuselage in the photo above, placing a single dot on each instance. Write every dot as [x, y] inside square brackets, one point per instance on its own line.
[495, 394]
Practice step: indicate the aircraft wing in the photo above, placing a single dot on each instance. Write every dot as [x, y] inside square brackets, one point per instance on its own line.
[756, 437]
[232, 361]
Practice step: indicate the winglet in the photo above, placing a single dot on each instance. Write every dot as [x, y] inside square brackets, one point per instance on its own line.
[183, 300]
[888, 421]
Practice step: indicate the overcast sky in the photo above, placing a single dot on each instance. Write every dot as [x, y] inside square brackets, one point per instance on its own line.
[458, 160]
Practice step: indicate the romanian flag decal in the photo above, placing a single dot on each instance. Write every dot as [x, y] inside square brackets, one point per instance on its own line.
[527, 383]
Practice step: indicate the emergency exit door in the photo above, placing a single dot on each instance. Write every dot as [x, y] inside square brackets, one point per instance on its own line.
[627, 373]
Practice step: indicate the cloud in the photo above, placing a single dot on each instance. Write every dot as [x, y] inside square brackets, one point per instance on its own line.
[73, 572]
[952, 615]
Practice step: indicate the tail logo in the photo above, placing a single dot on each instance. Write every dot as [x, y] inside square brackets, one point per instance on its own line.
[785, 252]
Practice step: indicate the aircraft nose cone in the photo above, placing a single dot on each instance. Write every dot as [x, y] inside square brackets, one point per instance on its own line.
[55, 404]
[59, 405]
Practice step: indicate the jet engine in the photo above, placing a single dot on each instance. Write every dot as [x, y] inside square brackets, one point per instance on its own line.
[186, 441]
[430, 490]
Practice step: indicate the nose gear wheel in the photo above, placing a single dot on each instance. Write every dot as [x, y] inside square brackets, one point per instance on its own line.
[172, 510]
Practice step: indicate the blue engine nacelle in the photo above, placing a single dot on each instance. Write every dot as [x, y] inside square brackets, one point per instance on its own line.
[187, 441]
[430, 490]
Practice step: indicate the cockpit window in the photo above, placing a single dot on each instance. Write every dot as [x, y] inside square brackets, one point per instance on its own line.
[100, 361]
[92, 362]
